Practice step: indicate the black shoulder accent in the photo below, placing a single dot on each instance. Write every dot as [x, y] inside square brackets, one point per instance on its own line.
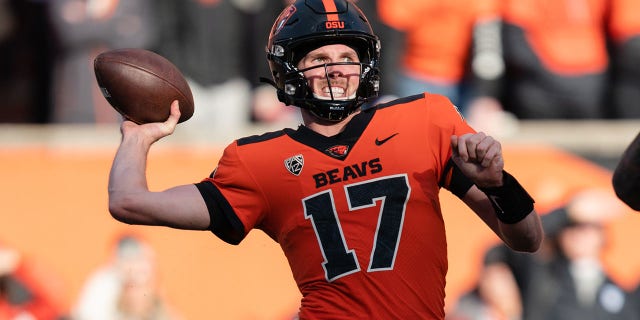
[400, 101]
[459, 184]
[447, 167]
[224, 222]
[260, 138]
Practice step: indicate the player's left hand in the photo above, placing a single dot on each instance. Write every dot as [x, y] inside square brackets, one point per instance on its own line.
[479, 157]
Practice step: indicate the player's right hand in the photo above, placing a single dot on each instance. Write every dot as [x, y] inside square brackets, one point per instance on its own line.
[152, 132]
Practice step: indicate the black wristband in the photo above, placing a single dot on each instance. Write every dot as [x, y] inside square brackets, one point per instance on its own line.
[511, 201]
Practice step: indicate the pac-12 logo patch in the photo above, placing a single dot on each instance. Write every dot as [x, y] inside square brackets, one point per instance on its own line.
[294, 164]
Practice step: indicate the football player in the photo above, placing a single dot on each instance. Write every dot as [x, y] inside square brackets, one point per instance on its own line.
[352, 194]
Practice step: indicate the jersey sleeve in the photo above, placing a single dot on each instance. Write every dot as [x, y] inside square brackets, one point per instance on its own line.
[233, 198]
[454, 180]
[448, 121]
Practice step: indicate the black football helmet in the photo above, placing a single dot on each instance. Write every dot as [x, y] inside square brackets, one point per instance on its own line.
[307, 25]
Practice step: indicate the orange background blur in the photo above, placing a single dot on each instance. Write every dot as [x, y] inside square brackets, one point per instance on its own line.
[54, 209]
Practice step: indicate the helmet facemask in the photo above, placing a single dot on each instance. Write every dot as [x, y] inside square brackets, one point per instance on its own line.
[334, 97]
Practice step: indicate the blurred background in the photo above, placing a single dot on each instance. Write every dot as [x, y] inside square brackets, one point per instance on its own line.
[556, 81]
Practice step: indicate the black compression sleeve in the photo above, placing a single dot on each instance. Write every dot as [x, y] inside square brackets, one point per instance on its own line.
[511, 201]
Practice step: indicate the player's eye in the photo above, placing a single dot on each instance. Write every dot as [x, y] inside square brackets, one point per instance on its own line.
[319, 60]
[350, 58]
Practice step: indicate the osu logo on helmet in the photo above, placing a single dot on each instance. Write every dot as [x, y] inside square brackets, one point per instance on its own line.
[334, 24]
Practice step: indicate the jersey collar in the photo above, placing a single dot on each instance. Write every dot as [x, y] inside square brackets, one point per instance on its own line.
[336, 146]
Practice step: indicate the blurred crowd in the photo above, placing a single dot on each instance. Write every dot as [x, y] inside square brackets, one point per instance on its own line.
[48, 47]
[567, 279]
[497, 60]
[125, 287]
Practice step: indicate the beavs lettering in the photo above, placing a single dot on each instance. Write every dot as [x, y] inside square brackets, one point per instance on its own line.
[349, 172]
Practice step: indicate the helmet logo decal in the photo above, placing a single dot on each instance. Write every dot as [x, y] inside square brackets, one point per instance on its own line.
[283, 18]
[294, 164]
[334, 25]
[338, 151]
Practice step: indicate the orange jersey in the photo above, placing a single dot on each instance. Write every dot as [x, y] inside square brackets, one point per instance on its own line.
[625, 20]
[357, 215]
[438, 33]
[569, 37]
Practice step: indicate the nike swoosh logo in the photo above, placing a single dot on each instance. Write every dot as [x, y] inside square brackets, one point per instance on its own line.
[380, 142]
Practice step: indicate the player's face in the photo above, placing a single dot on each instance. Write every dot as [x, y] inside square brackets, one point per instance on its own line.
[341, 81]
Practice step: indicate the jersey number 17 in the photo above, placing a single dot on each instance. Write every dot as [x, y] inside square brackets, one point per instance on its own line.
[393, 192]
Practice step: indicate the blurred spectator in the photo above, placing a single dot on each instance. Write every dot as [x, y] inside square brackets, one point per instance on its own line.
[567, 280]
[495, 297]
[636, 298]
[625, 33]
[83, 29]
[439, 37]
[27, 290]
[204, 38]
[127, 287]
[258, 17]
[25, 61]
[264, 106]
[556, 58]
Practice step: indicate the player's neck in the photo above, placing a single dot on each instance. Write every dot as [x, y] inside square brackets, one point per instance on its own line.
[325, 128]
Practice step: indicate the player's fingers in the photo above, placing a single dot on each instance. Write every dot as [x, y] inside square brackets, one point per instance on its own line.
[459, 147]
[483, 148]
[170, 124]
[454, 144]
[498, 162]
[472, 142]
[172, 121]
[175, 110]
[493, 152]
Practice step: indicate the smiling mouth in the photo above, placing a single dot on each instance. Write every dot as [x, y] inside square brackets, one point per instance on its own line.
[333, 93]
[337, 92]
[327, 96]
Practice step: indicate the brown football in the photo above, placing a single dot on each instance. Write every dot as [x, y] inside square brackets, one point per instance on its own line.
[141, 85]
